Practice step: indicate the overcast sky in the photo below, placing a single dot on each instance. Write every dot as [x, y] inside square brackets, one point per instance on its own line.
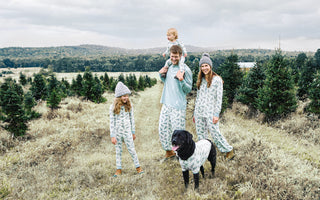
[221, 24]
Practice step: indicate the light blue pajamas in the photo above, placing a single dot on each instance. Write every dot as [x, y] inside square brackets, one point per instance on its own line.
[182, 59]
[208, 104]
[122, 127]
[173, 112]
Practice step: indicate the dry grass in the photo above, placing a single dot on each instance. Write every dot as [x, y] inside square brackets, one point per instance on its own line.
[68, 155]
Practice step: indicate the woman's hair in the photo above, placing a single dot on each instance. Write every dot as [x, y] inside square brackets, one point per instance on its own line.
[118, 103]
[173, 31]
[201, 75]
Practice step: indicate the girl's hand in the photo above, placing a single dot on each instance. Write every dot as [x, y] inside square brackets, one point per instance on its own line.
[114, 140]
[185, 55]
[215, 120]
[134, 136]
[193, 119]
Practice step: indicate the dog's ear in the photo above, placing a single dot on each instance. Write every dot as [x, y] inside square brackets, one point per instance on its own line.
[188, 136]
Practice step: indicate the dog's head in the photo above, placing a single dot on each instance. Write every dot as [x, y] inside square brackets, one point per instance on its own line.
[181, 139]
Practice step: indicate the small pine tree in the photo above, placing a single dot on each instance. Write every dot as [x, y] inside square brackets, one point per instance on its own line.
[141, 83]
[247, 93]
[53, 100]
[29, 103]
[314, 95]
[23, 79]
[88, 83]
[38, 87]
[306, 78]
[277, 96]
[77, 86]
[231, 75]
[13, 114]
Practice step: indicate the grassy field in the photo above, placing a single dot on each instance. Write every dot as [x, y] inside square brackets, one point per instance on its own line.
[68, 154]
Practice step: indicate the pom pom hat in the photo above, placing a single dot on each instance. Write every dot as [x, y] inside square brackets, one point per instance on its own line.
[121, 89]
[205, 59]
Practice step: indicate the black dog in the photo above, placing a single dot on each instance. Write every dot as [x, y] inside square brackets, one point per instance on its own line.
[193, 155]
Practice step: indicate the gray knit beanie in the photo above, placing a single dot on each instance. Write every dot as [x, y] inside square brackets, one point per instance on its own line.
[121, 90]
[205, 59]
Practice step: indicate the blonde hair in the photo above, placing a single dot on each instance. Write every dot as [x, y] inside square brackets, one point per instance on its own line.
[173, 31]
[201, 75]
[118, 103]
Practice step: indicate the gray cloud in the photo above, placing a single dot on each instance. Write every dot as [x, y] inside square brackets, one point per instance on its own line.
[143, 23]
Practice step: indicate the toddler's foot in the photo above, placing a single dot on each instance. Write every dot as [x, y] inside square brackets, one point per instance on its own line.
[139, 170]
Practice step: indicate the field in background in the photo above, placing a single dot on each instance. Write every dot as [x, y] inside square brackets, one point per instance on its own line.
[67, 76]
[67, 154]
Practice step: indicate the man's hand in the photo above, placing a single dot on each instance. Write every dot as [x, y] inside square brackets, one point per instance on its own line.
[179, 75]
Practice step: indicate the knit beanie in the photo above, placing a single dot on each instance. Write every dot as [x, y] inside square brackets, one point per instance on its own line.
[205, 59]
[121, 90]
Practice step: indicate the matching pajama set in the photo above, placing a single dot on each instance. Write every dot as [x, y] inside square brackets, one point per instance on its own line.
[208, 104]
[173, 111]
[182, 59]
[122, 127]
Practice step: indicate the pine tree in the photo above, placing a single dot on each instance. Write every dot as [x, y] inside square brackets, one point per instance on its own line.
[306, 78]
[317, 59]
[88, 84]
[231, 75]
[38, 87]
[77, 86]
[314, 95]
[277, 96]
[11, 102]
[22, 79]
[106, 81]
[141, 83]
[98, 91]
[54, 94]
[247, 93]
[297, 65]
[29, 103]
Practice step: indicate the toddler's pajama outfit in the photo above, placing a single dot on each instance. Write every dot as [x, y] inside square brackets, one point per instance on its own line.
[122, 127]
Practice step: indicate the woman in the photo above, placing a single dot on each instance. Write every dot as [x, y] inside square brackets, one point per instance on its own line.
[208, 106]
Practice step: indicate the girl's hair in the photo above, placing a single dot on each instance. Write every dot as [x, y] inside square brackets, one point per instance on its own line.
[173, 31]
[201, 75]
[118, 103]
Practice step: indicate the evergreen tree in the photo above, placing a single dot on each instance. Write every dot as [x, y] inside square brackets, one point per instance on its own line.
[13, 114]
[121, 78]
[88, 84]
[22, 79]
[231, 75]
[277, 96]
[98, 91]
[306, 78]
[298, 64]
[38, 87]
[141, 83]
[314, 95]
[53, 100]
[195, 71]
[247, 93]
[54, 94]
[77, 86]
[317, 59]
[106, 81]
[29, 103]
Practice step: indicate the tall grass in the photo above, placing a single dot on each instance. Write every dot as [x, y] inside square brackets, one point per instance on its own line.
[68, 155]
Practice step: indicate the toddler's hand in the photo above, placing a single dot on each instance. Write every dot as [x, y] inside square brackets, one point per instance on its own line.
[114, 140]
[163, 70]
[164, 55]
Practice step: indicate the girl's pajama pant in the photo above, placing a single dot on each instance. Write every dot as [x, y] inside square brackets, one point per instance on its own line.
[203, 125]
[170, 119]
[126, 136]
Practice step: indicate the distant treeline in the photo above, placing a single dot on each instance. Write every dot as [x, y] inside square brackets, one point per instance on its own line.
[143, 63]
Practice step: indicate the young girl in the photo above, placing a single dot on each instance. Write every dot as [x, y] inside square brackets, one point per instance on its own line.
[172, 35]
[208, 106]
[122, 127]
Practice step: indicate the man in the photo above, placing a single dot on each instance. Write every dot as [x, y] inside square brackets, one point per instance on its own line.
[173, 111]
